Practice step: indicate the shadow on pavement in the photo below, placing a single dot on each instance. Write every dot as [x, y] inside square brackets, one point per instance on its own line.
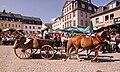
[82, 56]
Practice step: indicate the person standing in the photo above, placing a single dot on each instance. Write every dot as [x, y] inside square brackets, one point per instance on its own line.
[117, 39]
[44, 33]
[39, 35]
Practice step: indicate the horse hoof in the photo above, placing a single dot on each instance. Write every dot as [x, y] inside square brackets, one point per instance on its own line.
[64, 59]
[97, 61]
[81, 59]
[93, 61]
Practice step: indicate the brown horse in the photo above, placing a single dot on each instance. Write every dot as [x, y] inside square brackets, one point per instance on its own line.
[87, 43]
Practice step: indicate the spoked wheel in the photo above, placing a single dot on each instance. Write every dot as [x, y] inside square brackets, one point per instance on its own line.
[47, 52]
[23, 53]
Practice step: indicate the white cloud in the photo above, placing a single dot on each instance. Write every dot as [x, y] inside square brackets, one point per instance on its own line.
[53, 19]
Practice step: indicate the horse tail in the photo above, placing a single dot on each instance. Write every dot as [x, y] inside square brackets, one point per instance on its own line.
[69, 44]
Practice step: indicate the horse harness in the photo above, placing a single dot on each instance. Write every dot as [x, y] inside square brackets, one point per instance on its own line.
[99, 38]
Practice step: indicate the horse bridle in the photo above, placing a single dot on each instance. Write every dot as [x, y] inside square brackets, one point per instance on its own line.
[99, 38]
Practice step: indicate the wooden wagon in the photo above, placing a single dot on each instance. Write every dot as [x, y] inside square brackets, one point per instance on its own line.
[24, 50]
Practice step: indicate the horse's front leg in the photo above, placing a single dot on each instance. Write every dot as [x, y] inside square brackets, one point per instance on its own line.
[96, 55]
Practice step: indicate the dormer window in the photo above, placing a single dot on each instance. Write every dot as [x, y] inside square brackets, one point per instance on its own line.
[114, 4]
[70, 7]
[110, 6]
[75, 5]
[89, 8]
[83, 5]
[19, 20]
[7, 19]
[95, 9]
[0, 18]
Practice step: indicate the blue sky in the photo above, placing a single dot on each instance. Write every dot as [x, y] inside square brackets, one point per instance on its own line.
[43, 9]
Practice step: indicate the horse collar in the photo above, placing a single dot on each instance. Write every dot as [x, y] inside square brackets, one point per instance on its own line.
[99, 38]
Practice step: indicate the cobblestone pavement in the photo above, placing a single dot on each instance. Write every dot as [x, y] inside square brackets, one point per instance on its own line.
[109, 62]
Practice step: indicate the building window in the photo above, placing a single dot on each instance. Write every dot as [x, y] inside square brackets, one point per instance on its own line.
[1, 24]
[70, 16]
[63, 26]
[70, 23]
[6, 19]
[26, 27]
[33, 32]
[19, 20]
[114, 4]
[30, 32]
[95, 9]
[12, 25]
[70, 7]
[81, 14]
[97, 20]
[83, 5]
[75, 5]
[67, 9]
[67, 17]
[19, 25]
[29, 27]
[9, 25]
[86, 23]
[67, 24]
[106, 17]
[89, 8]
[39, 27]
[63, 19]
[33, 27]
[111, 16]
[13, 19]
[81, 22]
[74, 23]
[5, 25]
[74, 14]
[0, 18]
[85, 15]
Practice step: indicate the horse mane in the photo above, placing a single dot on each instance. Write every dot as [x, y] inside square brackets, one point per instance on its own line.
[101, 33]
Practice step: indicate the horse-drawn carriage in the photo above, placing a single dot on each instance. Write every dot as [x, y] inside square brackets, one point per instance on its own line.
[24, 48]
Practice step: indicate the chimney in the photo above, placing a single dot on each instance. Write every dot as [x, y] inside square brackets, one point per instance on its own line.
[4, 11]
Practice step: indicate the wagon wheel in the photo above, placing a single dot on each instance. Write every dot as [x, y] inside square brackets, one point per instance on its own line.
[23, 53]
[47, 52]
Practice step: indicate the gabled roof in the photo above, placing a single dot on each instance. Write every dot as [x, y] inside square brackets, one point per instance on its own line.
[5, 14]
[36, 19]
[13, 15]
[18, 15]
[106, 8]
[27, 18]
